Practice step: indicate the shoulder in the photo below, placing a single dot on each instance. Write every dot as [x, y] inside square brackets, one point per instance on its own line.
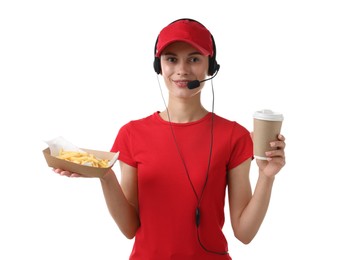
[227, 124]
[132, 130]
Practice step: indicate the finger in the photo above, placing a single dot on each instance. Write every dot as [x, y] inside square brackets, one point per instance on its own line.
[278, 144]
[57, 170]
[75, 175]
[66, 173]
[275, 153]
[281, 137]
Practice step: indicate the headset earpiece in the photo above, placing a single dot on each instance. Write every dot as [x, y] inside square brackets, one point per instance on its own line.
[157, 65]
[213, 65]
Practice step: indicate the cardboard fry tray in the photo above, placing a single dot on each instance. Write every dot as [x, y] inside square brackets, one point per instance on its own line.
[85, 170]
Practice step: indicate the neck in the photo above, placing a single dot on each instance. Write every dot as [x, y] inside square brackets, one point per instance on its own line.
[183, 113]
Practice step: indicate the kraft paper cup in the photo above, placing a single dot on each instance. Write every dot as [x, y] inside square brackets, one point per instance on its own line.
[267, 126]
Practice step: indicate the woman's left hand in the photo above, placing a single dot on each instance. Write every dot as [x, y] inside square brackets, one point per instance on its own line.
[276, 158]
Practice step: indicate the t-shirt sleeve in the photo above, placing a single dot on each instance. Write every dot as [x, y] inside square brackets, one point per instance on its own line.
[123, 145]
[242, 146]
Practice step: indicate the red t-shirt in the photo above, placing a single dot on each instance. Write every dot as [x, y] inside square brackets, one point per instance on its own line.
[167, 201]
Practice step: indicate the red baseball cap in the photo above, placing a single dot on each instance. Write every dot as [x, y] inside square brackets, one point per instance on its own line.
[188, 31]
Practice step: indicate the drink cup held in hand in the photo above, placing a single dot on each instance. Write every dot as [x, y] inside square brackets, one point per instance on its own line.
[267, 127]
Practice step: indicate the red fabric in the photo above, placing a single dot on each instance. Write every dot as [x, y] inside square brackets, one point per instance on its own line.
[167, 202]
[189, 31]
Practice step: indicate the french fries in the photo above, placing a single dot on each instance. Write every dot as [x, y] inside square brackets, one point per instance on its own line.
[83, 158]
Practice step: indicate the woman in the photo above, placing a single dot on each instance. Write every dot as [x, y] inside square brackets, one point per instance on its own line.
[176, 164]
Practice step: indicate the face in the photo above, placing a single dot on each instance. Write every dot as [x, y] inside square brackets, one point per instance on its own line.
[180, 64]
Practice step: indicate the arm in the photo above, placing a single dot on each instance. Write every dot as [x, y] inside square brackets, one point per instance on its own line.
[122, 200]
[247, 210]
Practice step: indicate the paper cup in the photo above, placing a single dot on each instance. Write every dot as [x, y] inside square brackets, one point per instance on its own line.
[267, 127]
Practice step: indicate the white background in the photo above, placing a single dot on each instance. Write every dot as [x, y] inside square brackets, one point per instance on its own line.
[82, 69]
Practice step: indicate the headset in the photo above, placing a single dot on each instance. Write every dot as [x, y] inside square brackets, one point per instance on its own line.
[213, 69]
[213, 65]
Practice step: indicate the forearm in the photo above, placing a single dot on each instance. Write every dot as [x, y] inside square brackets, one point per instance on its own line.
[124, 213]
[254, 213]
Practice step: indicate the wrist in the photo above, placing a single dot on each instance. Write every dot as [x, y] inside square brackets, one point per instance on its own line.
[266, 177]
[109, 175]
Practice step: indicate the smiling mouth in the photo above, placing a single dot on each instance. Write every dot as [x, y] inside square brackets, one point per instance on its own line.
[181, 83]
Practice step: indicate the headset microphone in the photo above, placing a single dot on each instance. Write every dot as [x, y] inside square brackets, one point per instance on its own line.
[196, 83]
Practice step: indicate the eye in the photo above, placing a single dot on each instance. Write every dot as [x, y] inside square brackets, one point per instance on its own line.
[194, 59]
[171, 59]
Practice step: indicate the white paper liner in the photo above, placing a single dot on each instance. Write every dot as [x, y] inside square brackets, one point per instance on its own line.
[58, 143]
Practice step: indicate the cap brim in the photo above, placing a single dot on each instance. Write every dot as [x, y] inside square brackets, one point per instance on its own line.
[196, 46]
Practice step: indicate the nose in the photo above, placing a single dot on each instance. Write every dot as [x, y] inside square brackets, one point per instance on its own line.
[183, 68]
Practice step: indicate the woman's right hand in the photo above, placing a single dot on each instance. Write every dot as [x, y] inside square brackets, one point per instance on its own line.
[67, 173]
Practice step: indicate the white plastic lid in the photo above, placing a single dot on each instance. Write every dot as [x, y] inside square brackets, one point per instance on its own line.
[269, 115]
